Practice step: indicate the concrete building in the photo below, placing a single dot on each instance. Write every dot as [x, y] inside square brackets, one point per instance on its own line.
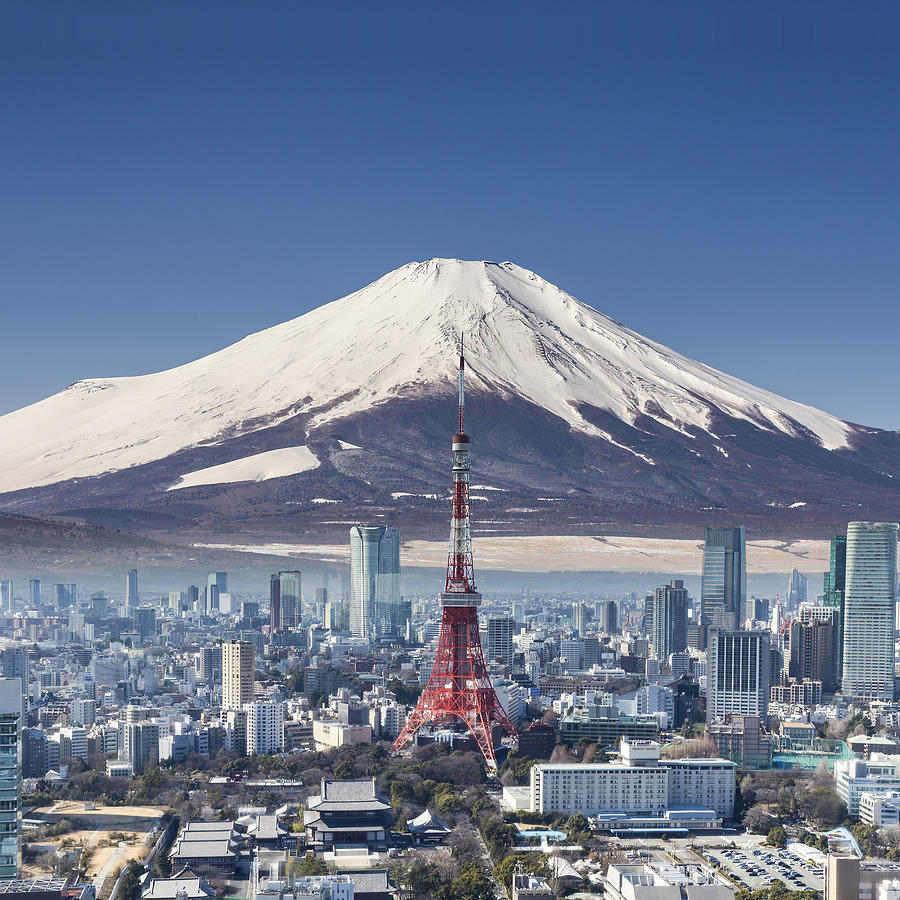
[849, 878]
[265, 727]
[237, 674]
[738, 679]
[868, 654]
[328, 734]
[131, 588]
[284, 601]
[880, 808]
[640, 784]
[664, 881]
[814, 652]
[855, 777]
[741, 739]
[668, 632]
[499, 645]
[84, 712]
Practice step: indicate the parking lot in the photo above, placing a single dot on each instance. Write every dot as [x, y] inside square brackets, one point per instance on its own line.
[758, 868]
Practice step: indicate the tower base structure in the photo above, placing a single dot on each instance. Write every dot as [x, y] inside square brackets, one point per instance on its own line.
[459, 690]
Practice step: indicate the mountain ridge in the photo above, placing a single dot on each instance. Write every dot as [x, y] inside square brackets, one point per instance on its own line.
[601, 415]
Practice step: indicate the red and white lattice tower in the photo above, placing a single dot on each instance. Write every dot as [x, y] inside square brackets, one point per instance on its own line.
[459, 689]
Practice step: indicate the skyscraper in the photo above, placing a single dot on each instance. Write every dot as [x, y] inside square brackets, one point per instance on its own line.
[65, 595]
[237, 674]
[131, 588]
[145, 623]
[34, 592]
[738, 673]
[668, 633]
[216, 584]
[284, 601]
[499, 643]
[723, 593]
[608, 615]
[868, 657]
[835, 582]
[10, 788]
[579, 617]
[796, 590]
[814, 647]
[375, 581]
[6, 596]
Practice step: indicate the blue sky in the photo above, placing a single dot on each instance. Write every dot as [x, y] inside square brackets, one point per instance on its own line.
[721, 177]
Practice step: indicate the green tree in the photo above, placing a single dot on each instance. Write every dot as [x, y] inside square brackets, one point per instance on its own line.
[777, 836]
[344, 770]
[530, 863]
[308, 865]
[471, 884]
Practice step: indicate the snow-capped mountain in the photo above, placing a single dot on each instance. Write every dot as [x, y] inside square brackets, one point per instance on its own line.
[341, 405]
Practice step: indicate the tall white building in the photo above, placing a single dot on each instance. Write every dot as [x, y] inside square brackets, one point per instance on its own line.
[265, 727]
[870, 593]
[375, 607]
[84, 712]
[738, 673]
[499, 644]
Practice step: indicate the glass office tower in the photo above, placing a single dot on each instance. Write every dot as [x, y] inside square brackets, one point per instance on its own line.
[375, 606]
[10, 716]
[723, 592]
[868, 660]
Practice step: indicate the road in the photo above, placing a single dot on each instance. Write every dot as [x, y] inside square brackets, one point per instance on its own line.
[499, 890]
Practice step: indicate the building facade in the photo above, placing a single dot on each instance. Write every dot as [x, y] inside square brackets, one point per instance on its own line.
[237, 674]
[868, 653]
[738, 673]
[375, 608]
[669, 628]
[723, 592]
[284, 601]
[265, 727]
[499, 646]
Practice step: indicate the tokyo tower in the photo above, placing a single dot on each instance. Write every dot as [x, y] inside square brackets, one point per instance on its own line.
[459, 689]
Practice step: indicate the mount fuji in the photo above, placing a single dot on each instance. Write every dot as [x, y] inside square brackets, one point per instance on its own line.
[579, 425]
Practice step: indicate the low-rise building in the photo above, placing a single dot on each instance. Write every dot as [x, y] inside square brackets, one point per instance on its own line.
[347, 813]
[328, 734]
[855, 777]
[216, 845]
[640, 785]
[741, 739]
[664, 881]
[531, 887]
[880, 808]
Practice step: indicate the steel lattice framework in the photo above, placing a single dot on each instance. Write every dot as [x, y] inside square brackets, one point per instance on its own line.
[459, 689]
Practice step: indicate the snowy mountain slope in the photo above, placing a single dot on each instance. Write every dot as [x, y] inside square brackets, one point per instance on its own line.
[396, 338]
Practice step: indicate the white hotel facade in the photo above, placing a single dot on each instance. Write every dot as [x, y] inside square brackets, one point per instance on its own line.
[640, 785]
